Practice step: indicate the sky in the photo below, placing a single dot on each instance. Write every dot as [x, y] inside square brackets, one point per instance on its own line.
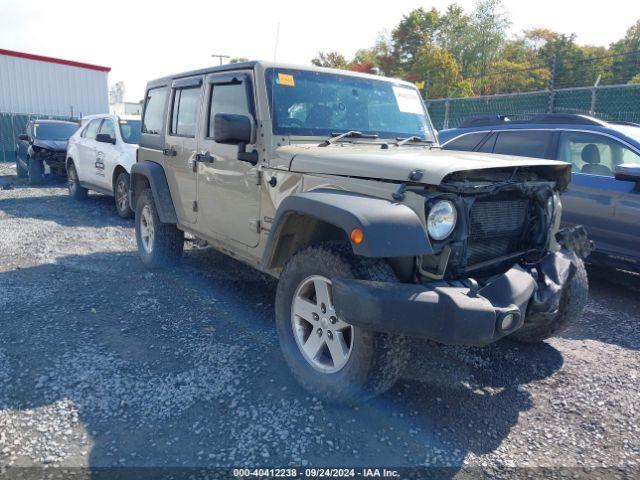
[143, 40]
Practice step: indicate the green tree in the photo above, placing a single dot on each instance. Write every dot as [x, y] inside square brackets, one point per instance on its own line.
[490, 24]
[330, 60]
[626, 65]
[439, 71]
[455, 35]
[417, 28]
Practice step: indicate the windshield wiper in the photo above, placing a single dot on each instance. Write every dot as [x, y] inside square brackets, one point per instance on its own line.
[413, 139]
[336, 137]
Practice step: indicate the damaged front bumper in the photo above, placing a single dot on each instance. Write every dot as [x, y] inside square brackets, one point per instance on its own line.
[457, 313]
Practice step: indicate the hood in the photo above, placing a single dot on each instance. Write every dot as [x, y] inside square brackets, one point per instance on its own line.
[396, 163]
[55, 145]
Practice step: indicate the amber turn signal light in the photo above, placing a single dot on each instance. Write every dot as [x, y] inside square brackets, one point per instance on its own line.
[357, 236]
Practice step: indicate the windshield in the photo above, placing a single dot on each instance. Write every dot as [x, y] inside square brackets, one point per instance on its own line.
[629, 131]
[309, 103]
[130, 131]
[54, 131]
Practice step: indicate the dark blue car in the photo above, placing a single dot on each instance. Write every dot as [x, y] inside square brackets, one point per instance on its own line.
[604, 195]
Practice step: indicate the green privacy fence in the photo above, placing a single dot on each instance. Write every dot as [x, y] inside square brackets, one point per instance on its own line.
[611, 102]
[12, 125]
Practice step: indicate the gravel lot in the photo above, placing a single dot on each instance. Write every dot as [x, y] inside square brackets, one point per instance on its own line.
[103, 363]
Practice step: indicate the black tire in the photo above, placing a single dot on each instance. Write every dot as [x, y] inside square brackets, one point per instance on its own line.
[35, 171]
[167, 243]
[376, 360]
[572, 302]
[76, 191]
[121, 195]
[21, 172]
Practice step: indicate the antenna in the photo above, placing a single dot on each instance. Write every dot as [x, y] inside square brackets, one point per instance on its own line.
[273, 77]
[220, 57]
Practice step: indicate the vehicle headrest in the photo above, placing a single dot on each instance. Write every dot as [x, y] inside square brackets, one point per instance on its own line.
[590, 154]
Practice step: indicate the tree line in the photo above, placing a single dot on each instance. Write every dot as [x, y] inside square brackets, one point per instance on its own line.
[454, 53]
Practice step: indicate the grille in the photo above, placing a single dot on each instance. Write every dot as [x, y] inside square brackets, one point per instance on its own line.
[496, 228]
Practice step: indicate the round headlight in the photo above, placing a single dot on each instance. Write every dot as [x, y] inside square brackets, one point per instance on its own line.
[441, 220]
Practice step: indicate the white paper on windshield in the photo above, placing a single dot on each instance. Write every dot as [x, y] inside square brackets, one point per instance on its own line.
[408, 100]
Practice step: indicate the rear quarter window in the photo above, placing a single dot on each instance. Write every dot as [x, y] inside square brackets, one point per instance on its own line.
[466, 142]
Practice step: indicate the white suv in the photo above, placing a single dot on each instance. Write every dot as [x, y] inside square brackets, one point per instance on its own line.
[100, 155]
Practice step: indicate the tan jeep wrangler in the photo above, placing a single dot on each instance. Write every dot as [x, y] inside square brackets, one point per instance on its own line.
[334, 183]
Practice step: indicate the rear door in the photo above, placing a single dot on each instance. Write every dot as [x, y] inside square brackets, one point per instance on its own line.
[181, 146]
[228, 188]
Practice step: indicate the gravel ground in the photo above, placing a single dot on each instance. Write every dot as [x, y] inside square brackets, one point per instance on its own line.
[103, 364]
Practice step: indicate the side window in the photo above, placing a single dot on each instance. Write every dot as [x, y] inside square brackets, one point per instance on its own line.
[227, 98]
[91, 130]
[108, 128]
[184, 111]
[524, 144]
[594, 154]
[466, 142]
[153, 111]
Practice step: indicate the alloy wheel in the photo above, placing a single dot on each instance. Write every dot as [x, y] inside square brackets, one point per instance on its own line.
[324, 340]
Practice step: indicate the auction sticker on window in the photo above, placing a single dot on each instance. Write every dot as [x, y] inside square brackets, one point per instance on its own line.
[408, 100]
[286, 79]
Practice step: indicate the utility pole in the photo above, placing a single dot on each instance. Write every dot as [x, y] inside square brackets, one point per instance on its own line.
[552, 83]
[220, 57]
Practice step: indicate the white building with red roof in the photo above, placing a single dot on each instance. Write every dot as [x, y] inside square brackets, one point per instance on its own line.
[35, 84]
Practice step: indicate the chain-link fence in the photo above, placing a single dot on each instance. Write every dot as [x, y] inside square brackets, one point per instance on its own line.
[12, 125]
[611, 102]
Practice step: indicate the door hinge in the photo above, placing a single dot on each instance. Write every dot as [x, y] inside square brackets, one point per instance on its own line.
[254, 223]
[195, 206]
[258, 177]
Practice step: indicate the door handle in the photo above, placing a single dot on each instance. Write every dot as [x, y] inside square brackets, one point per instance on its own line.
[204, 157]
[169, 151]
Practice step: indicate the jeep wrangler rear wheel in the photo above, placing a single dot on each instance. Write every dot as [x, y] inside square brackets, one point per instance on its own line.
[572, 301]
[330, 358]
[159, 244]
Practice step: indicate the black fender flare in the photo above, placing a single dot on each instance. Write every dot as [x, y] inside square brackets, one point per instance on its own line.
[155, 176]
[390, 229]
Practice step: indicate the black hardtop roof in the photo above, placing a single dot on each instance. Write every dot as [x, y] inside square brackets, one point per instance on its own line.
[202, 71]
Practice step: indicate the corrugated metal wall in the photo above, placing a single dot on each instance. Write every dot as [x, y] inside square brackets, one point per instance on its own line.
[32, 86]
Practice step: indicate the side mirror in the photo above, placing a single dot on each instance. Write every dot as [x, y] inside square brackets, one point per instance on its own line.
[235, 130]
[24, 137]
[629, 172]
[105, 138]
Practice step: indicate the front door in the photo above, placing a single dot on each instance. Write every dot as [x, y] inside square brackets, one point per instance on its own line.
[595, 198]
[106, 156]
[181, 146]
[228, 188]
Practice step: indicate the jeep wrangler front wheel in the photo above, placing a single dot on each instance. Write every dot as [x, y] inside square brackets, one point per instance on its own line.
[329, 357]
[572, 301]
[159, 244]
